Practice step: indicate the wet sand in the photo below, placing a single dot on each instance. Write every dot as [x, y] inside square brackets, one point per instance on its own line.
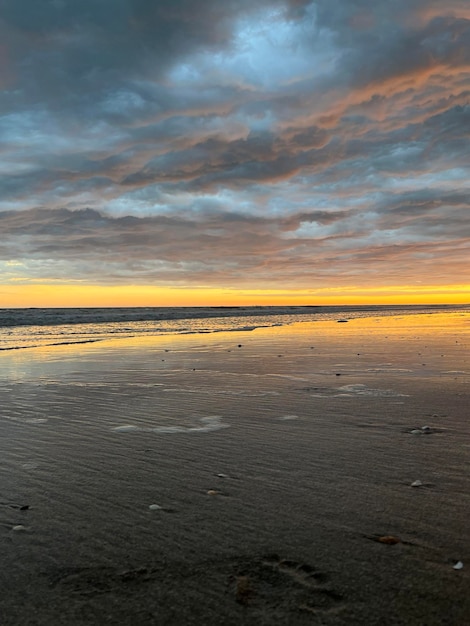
[240, 478]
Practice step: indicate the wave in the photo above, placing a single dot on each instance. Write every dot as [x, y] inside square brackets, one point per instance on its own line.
[33, 328]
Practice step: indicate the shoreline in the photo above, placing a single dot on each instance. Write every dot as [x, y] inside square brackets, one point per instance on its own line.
[35, 316]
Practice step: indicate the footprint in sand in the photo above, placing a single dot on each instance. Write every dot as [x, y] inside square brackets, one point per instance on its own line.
[295, 585]
[300, 572]
[91, 581]
[263, 588]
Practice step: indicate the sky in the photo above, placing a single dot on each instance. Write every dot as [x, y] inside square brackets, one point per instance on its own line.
[224, 152]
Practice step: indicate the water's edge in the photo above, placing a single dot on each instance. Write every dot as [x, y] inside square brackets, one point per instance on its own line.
[33, 328]
[59, 316]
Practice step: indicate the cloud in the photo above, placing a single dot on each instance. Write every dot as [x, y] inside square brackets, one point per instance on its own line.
[213, 247]
[197, 140]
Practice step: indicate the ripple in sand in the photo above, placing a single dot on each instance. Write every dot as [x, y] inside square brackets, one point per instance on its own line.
[29, 466]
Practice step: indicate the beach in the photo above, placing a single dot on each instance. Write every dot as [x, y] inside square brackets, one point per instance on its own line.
[314, 473]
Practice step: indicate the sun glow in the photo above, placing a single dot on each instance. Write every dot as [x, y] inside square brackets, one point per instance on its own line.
[69, 295]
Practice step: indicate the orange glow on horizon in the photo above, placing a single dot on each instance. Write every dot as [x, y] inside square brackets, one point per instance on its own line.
[47, 295]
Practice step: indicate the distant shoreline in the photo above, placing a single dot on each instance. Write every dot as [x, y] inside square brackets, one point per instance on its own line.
[37, 316]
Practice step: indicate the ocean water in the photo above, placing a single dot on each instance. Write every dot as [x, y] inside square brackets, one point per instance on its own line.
[38, 327]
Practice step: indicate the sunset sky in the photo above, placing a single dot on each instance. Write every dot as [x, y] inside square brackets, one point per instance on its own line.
[211, 152]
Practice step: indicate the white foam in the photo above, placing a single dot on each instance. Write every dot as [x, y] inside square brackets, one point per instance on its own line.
[168, 429]
[221, 392]
[127, 428]
[363, 390]
[207, 424]
[210, 423]
[350, 391]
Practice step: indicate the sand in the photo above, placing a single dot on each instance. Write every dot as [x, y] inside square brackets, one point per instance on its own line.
[240, 478]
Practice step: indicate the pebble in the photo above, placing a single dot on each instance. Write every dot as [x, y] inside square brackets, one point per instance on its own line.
[417, 483]
[458, 565]
[19, 528]
[213, 492]
[423, 430]
[155, 507]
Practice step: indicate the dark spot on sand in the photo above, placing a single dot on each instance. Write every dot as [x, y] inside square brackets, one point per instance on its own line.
[243, 589]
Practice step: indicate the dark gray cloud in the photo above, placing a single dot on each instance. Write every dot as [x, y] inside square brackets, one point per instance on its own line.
[65, 52]
[302, 142]
[210, 245]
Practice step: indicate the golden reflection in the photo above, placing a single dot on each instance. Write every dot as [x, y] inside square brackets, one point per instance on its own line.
[446, 335]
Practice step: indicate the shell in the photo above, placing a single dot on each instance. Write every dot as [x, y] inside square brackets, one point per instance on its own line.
[390, 540]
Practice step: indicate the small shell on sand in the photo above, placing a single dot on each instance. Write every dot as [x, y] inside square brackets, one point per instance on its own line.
[213, 492]
[390, 540]
[19, 528]
[458, 565]
[417, 483]
[416, 431]
[155, 507]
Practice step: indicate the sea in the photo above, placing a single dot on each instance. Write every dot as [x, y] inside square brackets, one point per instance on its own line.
[28, 328]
